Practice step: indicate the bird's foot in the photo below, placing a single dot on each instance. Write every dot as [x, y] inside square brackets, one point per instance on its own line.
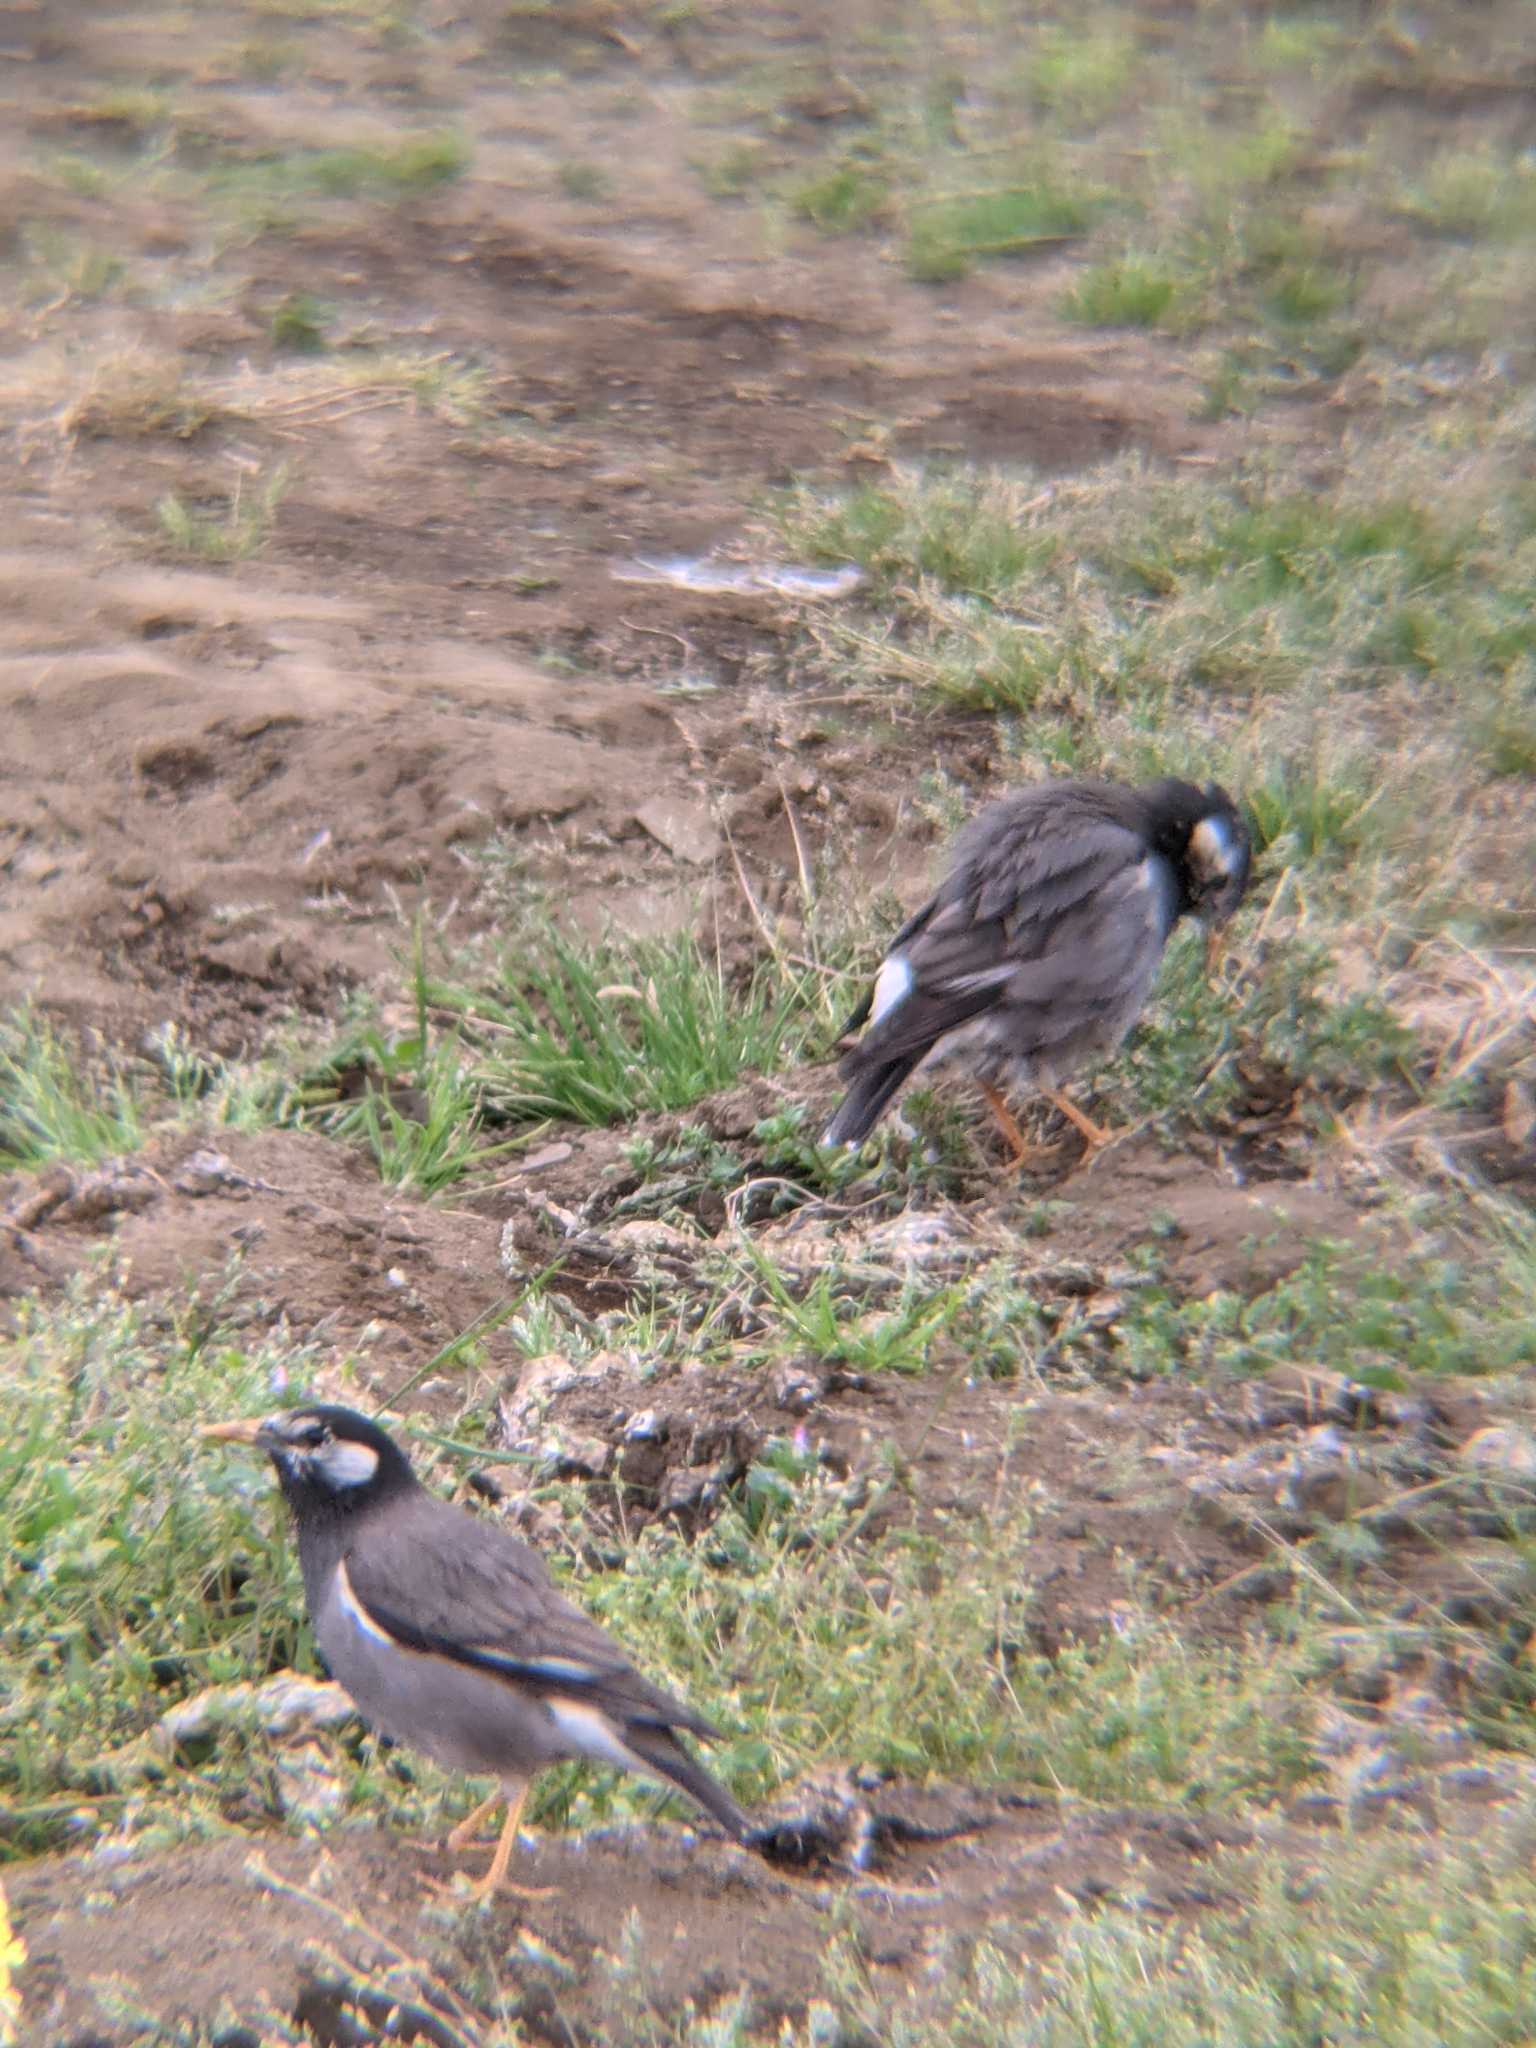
[1022, 1152]
[1095, 1134]
[460, 1837]
[495, 1879]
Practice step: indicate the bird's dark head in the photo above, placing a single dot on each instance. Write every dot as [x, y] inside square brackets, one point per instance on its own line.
[1205, 835]
[329, 1460]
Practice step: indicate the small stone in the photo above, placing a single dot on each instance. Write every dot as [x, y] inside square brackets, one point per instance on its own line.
[1332, 1483]
[1268, 1582]
[1399, 1791]
[539, 1382]
[308, 1789]
[687, 1489]
[547, 1156]
[1501, 1448]
[1293, 1393]
[648, 1234]
[687, 830]
[578, 1457]
[1319, 1808]
[281, 1705]
[1518, 1114]
[246, 958]
[795, 1391]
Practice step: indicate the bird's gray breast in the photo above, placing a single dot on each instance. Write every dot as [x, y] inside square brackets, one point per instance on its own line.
[466, 1719]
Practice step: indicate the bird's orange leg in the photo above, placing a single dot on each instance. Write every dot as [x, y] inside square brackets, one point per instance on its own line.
[495, 1879]
[1094, 1133]
[461, 1836]
[1007, 1123]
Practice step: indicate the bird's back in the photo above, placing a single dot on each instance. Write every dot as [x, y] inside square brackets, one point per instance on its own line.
[1038, 947]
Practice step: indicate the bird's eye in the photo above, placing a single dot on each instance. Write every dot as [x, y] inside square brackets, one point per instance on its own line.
[312, 1435]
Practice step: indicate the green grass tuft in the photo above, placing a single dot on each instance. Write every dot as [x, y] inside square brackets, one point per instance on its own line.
[598, 1033]
[1132, 291]
[57, 1105]
[299, 322]
[851, 195]
[240, 530]
[948, 237]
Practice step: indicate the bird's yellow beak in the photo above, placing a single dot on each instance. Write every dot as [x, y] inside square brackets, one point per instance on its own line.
[1215, 947]
[246, 1431]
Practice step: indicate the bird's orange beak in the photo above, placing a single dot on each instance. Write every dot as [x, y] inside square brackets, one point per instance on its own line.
[245, 1431]
[1215, 948]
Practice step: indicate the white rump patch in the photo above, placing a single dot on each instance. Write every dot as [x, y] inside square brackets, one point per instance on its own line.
[343, 1464]
[893, 984]
[590, 1733]
[356, 1612]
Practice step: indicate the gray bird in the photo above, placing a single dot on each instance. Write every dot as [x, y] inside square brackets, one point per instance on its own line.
[449, 1635]
[1039, 948]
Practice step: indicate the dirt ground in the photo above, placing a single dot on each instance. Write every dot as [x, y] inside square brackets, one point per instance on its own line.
[224, 793]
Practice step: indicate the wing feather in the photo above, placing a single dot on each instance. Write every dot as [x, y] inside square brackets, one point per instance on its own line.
[1021, 919]
[441, 1581]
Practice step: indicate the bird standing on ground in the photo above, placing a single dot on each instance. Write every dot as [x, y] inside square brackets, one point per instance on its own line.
[449, 1635]
[1039, 948]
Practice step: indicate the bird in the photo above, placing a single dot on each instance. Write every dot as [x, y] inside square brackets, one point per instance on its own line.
[449, 1634]
[1038, 950]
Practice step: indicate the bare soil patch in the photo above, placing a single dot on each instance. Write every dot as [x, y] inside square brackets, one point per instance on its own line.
[227, 790]
[710, 1916]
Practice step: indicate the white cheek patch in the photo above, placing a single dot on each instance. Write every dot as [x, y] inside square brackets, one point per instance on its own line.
[343, 1464]
[356, 1612]
[893, 984]
[1213, 847]
[590, 1733]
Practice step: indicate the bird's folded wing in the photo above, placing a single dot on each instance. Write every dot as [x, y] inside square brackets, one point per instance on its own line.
[913, 925]
[1068, 946]
[1043, 869]
[441, 1582]
[957, 970]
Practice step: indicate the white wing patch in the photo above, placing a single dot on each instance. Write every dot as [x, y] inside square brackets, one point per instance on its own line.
[893, 984]
[356, 1613]
[590, 1733]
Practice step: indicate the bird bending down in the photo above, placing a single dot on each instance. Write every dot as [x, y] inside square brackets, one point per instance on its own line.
[1038, 950]
[449, 1634]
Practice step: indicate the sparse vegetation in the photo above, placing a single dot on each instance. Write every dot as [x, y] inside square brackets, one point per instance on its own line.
[1133, 291]
[1166, 375]
[240, 529]
[948, 237]
[600, 1033]
[127, 1545]
[52, 1106]
[1379, 1943]
[299, 322]
[848, 196]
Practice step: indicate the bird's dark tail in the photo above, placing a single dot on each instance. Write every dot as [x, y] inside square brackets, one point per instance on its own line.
[666, 1756]
[865, 1103]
